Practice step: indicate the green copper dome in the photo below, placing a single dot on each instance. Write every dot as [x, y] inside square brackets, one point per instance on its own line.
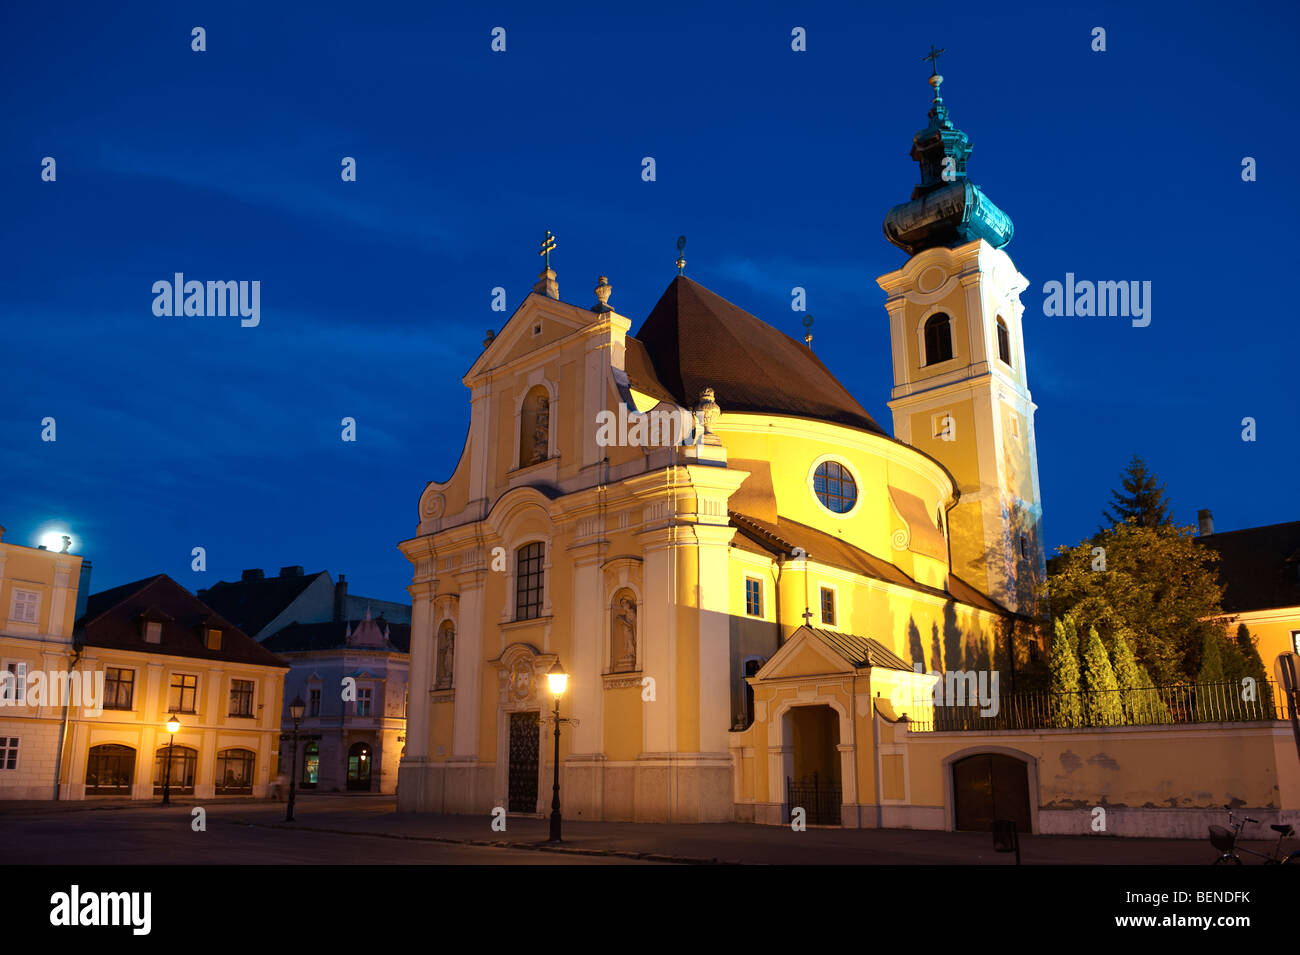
[946, 209]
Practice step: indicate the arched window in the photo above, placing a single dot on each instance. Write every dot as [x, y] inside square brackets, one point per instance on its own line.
[235, 771]
[446, 650]
[835, 487]
[535, 427]
[528, 581]
[359, 767]
[938, 338]
[109, 769]
[184, 763]
[1004, 342]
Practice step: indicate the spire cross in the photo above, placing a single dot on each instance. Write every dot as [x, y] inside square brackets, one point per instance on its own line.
[933, 57]
[548, 245]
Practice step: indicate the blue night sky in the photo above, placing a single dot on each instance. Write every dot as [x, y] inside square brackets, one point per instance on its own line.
[778, 166]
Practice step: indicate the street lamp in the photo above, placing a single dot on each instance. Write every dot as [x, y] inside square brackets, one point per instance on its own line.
[173, 727]
[558, 680]
[296, 709]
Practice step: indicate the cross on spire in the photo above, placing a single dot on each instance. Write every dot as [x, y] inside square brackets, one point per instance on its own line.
[807, 616]
[933, 57]
[548, 245]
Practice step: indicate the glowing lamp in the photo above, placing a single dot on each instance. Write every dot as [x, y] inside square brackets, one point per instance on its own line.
[558, 679]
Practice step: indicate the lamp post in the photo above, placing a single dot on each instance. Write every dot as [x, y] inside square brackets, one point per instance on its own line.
[296, 709]
[558, 679]
[173, 726]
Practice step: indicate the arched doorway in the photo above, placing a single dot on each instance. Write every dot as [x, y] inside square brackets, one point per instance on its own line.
[990, 786]
[813, 781]
[109, 769]
[359, 767]
[310, 766]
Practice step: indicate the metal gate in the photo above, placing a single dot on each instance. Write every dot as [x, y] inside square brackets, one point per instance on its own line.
[821, 800]
[990, 786]
[523, 761]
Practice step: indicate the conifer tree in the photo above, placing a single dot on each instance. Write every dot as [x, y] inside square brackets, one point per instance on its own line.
[1209, 681]
[1143, 501]
[1254, 667]
[1066, 705]
[1101, 697]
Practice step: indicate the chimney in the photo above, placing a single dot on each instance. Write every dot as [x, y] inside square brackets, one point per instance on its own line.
[1206, 520]
[341, 599]
[83, 590]
[254, 574]
[294, 571]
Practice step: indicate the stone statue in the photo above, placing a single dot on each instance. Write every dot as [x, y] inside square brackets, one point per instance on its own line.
[446, 656]
[625, 622]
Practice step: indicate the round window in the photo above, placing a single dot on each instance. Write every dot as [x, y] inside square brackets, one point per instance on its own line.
[835, 487]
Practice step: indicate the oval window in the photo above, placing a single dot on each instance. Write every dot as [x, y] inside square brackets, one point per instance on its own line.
[835, 487]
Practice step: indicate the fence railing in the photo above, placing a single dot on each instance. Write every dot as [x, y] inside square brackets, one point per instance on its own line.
[1146, 706]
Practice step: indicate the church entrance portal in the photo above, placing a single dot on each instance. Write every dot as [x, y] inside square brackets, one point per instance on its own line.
[990, 786]
[815, 785]
[523, 761]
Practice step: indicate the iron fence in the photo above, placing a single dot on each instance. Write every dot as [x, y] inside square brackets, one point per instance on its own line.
[820, 800]
[1143, 706]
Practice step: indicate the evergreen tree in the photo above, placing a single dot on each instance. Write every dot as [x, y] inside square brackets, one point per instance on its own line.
[1254, 667]
[1140, 699]
[1209, 682]
[1102, 705]
[1067, 707]
[1142, 502]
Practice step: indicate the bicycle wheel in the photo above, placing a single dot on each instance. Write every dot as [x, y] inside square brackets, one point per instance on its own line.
[1227, 860]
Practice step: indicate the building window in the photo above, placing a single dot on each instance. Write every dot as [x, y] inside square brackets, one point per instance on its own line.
[8, 752]
[184, 762]
[1295, 640]
[752, 666]
[753, 597]
[214, 639]
[241, 698]
[26, 606]
[235, 772]
[938, 338]
[184, 693]
[835, 487]
[363, 702]
[311, 766]
[119, 688]
[13, 683]
[828, 606]
[528, 581]
[314, 705]
[109, 769]
[1004, 342]
[152, 631]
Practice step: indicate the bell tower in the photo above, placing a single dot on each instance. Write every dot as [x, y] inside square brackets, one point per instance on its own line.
[960, 391]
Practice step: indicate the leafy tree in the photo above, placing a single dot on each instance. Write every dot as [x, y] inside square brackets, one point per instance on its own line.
[1158, 583]
[1101, 692]
[1143, 500]
[1067, 707]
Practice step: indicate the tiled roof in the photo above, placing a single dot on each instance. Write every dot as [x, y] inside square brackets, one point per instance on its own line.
[781, 537]
[252, 604]
[113, 617]
[694, 339]
[308, 637]
[859, 651]
[1259, 567]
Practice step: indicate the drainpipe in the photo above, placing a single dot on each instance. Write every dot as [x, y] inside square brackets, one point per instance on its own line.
[875, 760]
[857, 755]
[63, 726]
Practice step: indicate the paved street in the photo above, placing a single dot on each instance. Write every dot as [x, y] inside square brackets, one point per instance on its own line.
[338, 829]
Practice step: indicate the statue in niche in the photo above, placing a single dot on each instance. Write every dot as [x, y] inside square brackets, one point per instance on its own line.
[446, 656]
[541, 431]
[623, 631]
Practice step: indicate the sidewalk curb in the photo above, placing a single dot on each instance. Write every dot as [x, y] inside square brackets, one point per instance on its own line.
[501, 844]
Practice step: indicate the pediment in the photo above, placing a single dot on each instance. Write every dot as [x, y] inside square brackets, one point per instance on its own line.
[803, 655]
[517, 339]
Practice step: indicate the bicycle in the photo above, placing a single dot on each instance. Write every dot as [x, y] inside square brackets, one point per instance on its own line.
[1225, 840]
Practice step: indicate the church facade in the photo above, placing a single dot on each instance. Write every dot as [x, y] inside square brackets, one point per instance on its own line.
[728, 556]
